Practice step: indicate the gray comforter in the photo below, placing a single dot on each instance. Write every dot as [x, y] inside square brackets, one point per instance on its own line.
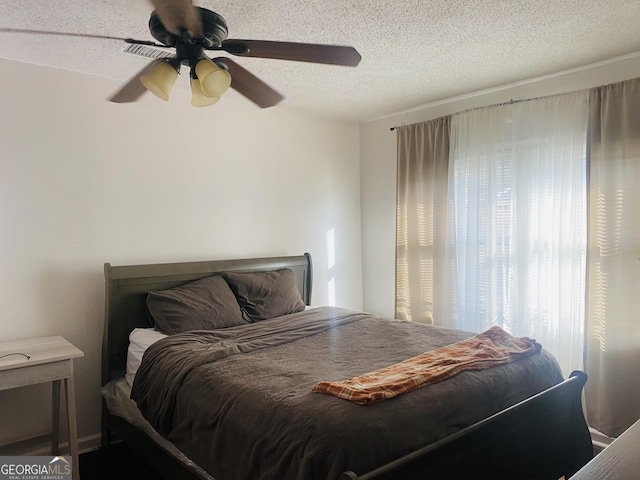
[239, 403]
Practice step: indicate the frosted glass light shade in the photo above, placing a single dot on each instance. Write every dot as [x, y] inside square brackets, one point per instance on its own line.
[160, 80]
[197, 98]
[214, 81]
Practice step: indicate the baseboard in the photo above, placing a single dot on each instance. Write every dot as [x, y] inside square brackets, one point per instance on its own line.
[600, 440]
[89, 443]
[25, 445]
[41, 445]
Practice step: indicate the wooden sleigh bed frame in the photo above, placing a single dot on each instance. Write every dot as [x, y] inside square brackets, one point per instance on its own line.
[542, 437]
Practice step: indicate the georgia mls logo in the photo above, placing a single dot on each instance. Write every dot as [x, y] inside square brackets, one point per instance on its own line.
[59, 465]
[35, 468]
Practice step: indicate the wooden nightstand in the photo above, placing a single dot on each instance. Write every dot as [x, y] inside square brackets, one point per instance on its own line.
[620, 460]
[50, 360]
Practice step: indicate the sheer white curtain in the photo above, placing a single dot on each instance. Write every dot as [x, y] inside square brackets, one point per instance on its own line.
[517, 225]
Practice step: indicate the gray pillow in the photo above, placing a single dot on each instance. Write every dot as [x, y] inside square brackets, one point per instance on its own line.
[264, 295]
[205, 304]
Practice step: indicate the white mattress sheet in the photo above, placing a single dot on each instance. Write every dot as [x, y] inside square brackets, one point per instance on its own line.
[116, 395]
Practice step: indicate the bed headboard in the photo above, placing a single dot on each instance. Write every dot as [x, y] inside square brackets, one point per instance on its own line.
[126, 290]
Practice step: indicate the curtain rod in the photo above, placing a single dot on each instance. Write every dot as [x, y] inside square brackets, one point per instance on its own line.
[510, 102]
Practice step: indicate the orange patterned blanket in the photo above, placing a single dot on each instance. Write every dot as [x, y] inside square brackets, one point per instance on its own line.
[485, 350]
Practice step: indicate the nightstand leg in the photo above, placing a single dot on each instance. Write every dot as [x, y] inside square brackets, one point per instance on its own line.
[55, 416]
[70, 393]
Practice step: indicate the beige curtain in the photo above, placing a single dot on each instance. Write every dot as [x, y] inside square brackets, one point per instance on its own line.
[613, 289]
[421, 219]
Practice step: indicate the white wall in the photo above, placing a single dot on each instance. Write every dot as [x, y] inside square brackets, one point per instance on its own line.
[378, 164]
[84, 182]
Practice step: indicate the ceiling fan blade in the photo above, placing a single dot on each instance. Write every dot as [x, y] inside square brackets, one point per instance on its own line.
[179, 15]
[63, 34]
[133, 89]
[247, 84]
[144, 51]
[132, 41]
[299, 52]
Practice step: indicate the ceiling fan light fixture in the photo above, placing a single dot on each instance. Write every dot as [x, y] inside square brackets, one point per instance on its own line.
[191, 31]
[160, 80]
[198, 99]
[214, 81]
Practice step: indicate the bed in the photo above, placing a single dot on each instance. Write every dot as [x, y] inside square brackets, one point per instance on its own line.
[247, 408]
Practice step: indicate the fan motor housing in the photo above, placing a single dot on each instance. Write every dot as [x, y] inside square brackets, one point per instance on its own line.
[214, 29]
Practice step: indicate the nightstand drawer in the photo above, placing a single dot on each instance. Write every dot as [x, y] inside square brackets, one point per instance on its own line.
[29, 375]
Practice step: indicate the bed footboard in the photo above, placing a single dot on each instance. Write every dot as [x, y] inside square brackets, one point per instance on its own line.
[543, 437]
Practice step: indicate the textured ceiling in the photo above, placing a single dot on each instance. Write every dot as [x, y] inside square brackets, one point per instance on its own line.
[414, 52]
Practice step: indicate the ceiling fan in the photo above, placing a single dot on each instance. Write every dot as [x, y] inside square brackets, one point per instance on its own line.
[191, 31]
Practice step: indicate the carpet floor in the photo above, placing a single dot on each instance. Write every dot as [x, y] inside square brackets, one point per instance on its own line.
[116, 463]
